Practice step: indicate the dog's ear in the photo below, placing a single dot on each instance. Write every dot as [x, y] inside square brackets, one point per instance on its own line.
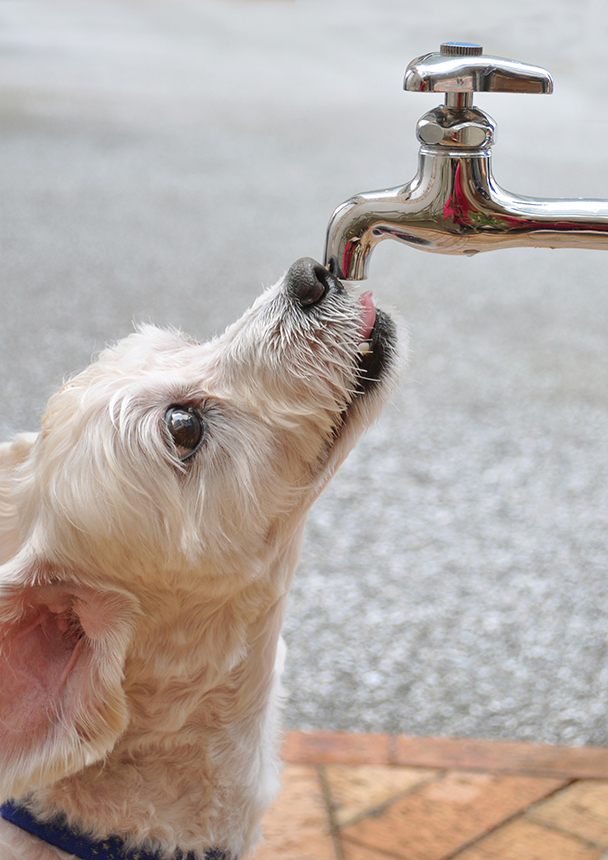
[12, 455]
[62, 653]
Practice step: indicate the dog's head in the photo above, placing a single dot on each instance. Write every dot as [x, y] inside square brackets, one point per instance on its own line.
[172, 465]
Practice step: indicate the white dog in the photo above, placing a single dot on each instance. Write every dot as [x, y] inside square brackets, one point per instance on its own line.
[149, 535]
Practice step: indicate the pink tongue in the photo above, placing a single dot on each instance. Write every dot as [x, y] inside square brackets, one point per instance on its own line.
[368, 315]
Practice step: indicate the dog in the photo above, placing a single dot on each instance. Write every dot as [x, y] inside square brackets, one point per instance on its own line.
[149, 534]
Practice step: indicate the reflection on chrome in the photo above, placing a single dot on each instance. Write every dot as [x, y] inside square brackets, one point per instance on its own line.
[453, 205]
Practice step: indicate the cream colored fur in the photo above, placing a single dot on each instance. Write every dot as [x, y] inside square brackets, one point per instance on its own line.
[169, 577]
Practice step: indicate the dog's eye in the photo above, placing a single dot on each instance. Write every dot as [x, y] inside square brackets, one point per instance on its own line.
[185, 428]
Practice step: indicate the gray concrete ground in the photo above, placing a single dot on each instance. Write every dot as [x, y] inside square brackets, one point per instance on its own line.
[163, 159]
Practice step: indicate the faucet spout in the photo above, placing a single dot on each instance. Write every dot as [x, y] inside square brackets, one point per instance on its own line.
[454, 206]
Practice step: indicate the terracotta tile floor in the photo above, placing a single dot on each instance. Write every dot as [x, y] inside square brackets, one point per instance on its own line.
[378, 797]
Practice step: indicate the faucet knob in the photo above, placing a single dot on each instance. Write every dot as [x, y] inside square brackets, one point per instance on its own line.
[460, 69]
[460, 49]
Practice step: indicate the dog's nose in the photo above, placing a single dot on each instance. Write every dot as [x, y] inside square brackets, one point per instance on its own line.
[308, 281]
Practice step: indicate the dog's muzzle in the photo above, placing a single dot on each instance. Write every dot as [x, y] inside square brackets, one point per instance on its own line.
[308, 283]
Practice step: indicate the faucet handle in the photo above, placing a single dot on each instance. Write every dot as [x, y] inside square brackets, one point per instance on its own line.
[460, 69]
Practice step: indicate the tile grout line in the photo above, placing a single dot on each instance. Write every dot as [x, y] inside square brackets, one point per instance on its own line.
[516, 815]
[330, 811]
[380, 809]
[392, 750]
[557, 829]
[388, 854]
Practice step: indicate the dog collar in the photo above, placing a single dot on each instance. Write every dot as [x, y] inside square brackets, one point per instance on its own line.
[58, 833]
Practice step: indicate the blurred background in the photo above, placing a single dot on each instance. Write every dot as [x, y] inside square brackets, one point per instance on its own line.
[164, 160]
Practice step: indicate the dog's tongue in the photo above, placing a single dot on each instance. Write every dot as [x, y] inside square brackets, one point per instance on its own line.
[368, 315]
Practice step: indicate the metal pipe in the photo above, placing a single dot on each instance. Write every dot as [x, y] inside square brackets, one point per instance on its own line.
[454, 205]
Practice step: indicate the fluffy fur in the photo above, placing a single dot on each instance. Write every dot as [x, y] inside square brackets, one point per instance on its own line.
[142, 596]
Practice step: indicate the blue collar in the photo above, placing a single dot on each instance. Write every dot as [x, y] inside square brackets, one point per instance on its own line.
[58, 833]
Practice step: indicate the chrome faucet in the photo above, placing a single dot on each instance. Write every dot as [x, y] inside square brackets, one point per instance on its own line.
[453, 205]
